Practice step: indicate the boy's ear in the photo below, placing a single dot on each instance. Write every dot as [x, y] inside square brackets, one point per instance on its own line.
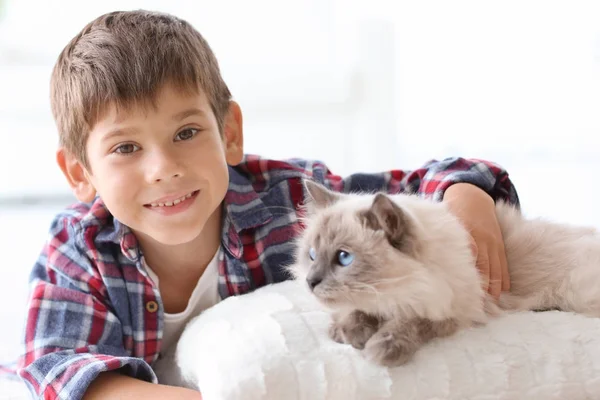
[233, 132]
[76, 175]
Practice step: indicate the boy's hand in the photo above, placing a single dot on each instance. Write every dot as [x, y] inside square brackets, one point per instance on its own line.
[476, 210]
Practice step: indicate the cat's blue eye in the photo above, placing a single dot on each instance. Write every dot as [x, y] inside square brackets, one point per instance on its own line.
[312, 253]
[344, 258]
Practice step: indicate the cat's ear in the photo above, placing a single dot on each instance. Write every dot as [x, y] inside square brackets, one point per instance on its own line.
[318, 196]
[398, 226]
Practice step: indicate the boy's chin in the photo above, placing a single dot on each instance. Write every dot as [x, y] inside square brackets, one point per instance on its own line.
[169, 237]
[175, 239]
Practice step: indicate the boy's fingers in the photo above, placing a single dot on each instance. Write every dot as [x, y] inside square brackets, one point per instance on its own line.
[495, 275]
[474, 248]
[505, 271]
[483, 265]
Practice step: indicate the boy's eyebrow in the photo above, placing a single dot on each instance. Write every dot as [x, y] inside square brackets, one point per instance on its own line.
[131, 130]
[188, 113]
[120, 132]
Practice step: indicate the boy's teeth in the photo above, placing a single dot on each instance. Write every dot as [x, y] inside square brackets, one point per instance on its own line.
[173, 203]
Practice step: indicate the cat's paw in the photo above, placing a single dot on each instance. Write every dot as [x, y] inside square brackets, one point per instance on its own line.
[397, 341]
[335, 332]
[388, 350]
[354, 329]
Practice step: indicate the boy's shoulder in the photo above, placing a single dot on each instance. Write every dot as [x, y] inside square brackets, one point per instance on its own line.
[81, 216]
[81, 226]
[264, 173]
[81, 237]
[260, 187]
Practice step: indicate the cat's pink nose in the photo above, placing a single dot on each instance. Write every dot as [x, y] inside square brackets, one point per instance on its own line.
[313, 281]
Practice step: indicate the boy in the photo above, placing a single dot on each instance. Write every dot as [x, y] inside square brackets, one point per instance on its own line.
[173, 217]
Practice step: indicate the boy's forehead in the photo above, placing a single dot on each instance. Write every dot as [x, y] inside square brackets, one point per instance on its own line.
[169, 101]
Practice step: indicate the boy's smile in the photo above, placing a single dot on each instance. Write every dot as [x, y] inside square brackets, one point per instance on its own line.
[161, 168]
[170, 201]
[170, 205]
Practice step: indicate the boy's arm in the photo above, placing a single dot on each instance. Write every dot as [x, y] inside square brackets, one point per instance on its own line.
[111, 385]
[431, 180]
[71, 333]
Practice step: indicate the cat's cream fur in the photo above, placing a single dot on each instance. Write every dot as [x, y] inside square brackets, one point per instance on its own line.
[414, 276]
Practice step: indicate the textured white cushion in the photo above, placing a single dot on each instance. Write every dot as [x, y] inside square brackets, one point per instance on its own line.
[273, 344]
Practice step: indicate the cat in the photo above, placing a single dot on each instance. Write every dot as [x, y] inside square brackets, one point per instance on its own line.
[397, 271]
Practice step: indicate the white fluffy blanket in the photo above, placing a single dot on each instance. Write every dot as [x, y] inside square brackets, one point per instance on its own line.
[273, 344]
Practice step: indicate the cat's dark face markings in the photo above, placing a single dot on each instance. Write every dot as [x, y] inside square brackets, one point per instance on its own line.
[349, 253]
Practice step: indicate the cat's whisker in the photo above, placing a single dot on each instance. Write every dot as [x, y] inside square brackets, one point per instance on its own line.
[341, 289]
[370, 289]
[387, 281]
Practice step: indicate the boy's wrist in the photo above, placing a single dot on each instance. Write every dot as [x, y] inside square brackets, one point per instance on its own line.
[112, 385]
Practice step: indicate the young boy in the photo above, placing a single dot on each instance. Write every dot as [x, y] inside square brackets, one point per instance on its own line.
[173, 217]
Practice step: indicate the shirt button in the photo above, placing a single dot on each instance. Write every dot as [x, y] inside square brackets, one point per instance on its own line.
[152, 306]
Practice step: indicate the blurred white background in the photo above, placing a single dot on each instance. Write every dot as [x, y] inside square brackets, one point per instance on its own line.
[364, 86]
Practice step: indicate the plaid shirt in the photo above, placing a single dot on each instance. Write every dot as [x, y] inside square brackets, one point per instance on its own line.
[94, 308]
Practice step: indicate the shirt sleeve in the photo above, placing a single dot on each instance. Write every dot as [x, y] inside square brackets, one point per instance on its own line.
[71, 335]
[429, 181]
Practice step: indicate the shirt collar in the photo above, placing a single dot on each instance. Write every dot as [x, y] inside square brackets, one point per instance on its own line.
[244, 209]
[114, 231]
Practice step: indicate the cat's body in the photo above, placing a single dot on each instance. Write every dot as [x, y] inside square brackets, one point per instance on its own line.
[411, 275]
[551, 265]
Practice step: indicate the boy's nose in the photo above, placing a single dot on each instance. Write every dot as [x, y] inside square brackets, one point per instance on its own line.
[166, 177]
[163, 167]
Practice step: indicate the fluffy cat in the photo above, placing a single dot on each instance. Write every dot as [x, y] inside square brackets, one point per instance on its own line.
[397, 270]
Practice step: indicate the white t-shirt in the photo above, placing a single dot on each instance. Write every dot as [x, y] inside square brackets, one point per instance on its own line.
[205, 295]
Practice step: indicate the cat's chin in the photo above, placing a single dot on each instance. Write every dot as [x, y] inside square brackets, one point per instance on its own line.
[333, 303]
[328, 301]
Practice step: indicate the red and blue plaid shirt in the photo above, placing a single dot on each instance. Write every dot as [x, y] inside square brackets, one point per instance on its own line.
[93, 307]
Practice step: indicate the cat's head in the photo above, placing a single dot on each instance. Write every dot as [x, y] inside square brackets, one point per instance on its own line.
[355, 247]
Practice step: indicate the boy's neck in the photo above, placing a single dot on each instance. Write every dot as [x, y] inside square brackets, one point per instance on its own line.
[187, 261]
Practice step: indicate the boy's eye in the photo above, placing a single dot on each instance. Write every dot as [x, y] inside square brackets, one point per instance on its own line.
[127, 148]
[186, 134]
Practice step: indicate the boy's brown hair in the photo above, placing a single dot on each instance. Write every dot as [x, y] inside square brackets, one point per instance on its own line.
[123, 58]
